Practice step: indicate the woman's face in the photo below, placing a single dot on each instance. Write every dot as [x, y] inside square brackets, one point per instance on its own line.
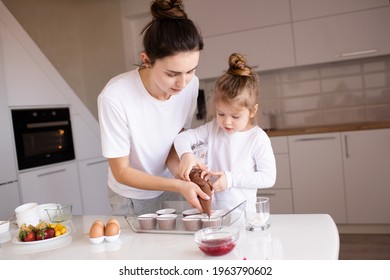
[170, 75]
[233, 119]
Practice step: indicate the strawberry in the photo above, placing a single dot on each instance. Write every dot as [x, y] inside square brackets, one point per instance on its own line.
[50, 233]
[29, 237]
[40, 235]
[22, 235]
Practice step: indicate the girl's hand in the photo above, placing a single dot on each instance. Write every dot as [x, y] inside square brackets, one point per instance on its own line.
[187, 163]
[221, 183]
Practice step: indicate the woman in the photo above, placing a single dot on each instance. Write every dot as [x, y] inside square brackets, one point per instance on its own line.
[141, 112]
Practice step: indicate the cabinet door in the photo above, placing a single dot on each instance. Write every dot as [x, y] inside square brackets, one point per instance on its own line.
[280, 194]
[265, 48]
[235, 17]
[317, 175]
[305, 9]
[341, 37]
[57, 184]
[280, 200]
[9, 199]
[367, 175]
[93, 179]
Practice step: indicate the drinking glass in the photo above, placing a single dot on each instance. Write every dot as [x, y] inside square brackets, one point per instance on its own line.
[257, 214]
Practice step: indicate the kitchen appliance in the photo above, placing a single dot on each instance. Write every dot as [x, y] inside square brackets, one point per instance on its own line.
[42, 136]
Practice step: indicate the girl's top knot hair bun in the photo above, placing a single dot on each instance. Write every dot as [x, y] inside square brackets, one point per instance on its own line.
[237, 66]
[173, 9]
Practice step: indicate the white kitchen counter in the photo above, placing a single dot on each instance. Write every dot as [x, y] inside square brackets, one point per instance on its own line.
[291, 237]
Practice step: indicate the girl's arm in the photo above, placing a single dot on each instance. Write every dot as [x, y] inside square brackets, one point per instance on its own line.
[263, 177]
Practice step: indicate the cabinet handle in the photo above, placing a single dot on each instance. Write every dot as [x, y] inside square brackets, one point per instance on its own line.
[9, 182]
[96, 162]
[52, 172]
[315, 139]
[346, 146]
[357, 53]
[266, 194]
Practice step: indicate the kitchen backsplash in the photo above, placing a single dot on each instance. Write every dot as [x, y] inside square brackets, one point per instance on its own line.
[333, 93]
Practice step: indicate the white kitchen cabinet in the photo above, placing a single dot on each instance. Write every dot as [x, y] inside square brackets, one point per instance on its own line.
[236, 17]
[306, 9]
[366, 156]
[265, 48]
[317, 174]
[9, 189]
[9, 199]
[341, 37]
[55, 184]
[8, 170]
[280, 200]
[93, 182]
[280, 194]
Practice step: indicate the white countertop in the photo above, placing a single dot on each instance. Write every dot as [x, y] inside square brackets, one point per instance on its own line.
[291, 237]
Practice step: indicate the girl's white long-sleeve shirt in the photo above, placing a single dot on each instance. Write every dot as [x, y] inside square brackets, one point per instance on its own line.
[246, 157]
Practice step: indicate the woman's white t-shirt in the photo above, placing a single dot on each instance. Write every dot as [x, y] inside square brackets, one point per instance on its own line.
[134, 124]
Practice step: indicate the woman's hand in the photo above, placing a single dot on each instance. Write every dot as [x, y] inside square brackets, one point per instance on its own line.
[190, 191]
[221, 183]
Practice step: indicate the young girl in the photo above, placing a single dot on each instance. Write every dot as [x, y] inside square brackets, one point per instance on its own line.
[239, 151]
[142, 111]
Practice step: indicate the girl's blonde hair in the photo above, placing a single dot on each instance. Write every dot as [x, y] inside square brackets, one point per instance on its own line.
[239, 86]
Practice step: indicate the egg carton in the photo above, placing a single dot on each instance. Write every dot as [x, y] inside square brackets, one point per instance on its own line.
[234, 211]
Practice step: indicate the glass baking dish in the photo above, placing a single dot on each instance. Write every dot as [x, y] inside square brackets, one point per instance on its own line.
[233, 212]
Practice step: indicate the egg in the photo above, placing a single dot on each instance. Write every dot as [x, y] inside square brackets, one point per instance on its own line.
[99, 222]
[111, 229]
[96, 231]
[115, 221]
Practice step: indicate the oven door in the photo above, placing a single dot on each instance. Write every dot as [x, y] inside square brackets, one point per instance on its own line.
[43, 143]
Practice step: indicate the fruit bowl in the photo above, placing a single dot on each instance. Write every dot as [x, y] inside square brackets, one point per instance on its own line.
[217, 241]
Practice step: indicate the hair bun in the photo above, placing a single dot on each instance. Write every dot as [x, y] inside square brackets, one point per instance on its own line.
[162, 9]
[237, 65]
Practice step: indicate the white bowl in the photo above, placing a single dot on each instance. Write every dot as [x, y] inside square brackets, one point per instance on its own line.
[26, 208]
[5, 237]
[4, 227]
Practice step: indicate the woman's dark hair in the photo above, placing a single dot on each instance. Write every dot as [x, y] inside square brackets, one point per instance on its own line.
[170, 31]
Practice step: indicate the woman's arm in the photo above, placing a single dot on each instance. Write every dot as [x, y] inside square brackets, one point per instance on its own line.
[129, 176]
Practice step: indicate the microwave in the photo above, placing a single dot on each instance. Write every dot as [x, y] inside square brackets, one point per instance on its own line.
[42, 136]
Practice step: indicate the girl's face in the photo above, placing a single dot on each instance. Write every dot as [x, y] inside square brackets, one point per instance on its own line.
[170, 75]
[233, 119]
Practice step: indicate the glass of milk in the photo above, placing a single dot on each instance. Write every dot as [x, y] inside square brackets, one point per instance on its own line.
[257, 214]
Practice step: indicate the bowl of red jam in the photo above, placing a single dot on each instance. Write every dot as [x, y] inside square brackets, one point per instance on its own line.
[217, 241]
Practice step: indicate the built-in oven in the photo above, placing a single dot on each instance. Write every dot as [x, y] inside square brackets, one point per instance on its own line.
[42, 136]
